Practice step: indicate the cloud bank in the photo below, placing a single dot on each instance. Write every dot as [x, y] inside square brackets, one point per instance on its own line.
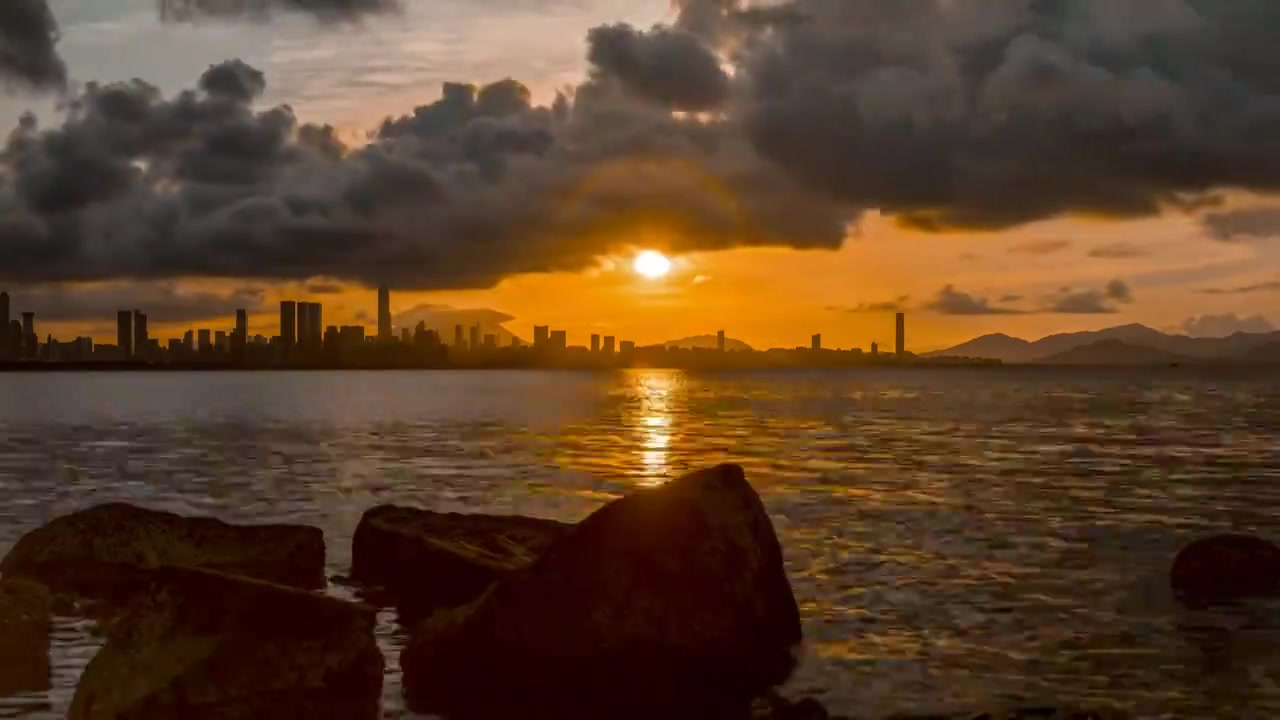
[1225, 325]
[735, 126]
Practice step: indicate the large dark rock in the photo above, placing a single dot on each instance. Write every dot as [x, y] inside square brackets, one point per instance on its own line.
[426, 560]
[671, 602]
[25, 621]
[201, 645]
[88, 552]
[1226, 567]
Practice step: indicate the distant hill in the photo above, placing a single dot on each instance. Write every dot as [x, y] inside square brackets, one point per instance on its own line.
[706, 342]
[1114, 352]
[1015, 350]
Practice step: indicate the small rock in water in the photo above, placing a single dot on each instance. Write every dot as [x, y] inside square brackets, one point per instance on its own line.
[672, 602]
[88, 552]
[1226, 567]
[427, 560]
[201, 645]
[25, 621]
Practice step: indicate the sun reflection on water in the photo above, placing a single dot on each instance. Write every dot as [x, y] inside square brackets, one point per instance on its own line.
[653, 422]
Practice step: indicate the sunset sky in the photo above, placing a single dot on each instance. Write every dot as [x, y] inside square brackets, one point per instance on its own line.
[1017, 166]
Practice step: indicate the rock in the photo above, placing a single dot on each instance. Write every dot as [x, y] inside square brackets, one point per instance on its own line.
[427, 560]
[1039, 712]
[25, 622]
[200, 645]
[1226, 567]
[88, 552]
[672, 602]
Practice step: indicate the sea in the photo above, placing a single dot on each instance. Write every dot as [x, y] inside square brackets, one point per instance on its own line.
[955, 537]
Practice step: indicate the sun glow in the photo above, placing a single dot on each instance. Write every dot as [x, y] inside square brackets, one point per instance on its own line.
[652, 264]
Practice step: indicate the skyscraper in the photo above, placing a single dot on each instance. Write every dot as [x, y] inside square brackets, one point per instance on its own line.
[474, 339]
[288, 322]
[206, 346]
[240, 339]
[595, 344]
[140, 336]
[901, 346]
[189, 341]
[124, 334]
[30, 343]
[541, 334]
[815, 342]
[384, 313]
[6, 342]
[458, 341]
[317, 325]
[303, 338]
[609, 341]
[720, 341]
[559, 340]
[490, 341]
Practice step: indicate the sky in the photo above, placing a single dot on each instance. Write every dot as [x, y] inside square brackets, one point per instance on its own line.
[810, 166]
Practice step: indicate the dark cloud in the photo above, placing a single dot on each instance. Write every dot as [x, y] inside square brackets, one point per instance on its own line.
[1089, 302]
[944, 114]
[1118, 251]
[950, 301]
[325, 10]
[162, 302]
[28, 47]
[950, 114]
[1225, 325]
[476, 186]
[1011, 298]
[1040, 247]
[1271, 286]
[669, 67]
[324, 289]
[1250, 224]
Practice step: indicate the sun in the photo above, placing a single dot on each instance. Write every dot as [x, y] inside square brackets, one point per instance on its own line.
[651, 264]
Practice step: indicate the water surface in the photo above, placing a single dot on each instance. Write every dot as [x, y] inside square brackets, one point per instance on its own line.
[954, 536]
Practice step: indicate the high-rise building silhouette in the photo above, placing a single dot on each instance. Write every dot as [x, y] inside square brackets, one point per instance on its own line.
[458, 342]
[317, 325]
[490, 341]
[206, 344]
[6, 349]
[405, 336]
[815, 342]
[30, 343]
[609, 341]
[141, 339]
[559, 340]
[124, 334]
[288, 322]
[304, 325]
[473, 341]
[221, 342]
[627, 348]
[541, 336]
[901, 346]
[189, 341]
[384, 313]
[720, 341]
[595, 344]
[875, 350]
[240, 338]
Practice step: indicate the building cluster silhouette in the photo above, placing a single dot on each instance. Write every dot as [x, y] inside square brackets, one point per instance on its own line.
[304, 341]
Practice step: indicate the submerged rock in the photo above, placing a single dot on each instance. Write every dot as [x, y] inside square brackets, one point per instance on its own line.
[671, 602]
[427, 560]
[25, 622]
[201, 645]
[88, 552]
[1226, 567]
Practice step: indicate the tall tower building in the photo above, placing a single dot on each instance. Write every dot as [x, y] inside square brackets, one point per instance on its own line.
[288, 322]
[815, 342]
[901, 346]
[30, 343]
[458, 341]
[609, 341]
[720, 341]
[140, 335]
[124, 334]
[6, 346]
[242, 324]
[384, 313]
[206, 345]
[317, 324]
[541, 336]
[595, 344]
[474, 339]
